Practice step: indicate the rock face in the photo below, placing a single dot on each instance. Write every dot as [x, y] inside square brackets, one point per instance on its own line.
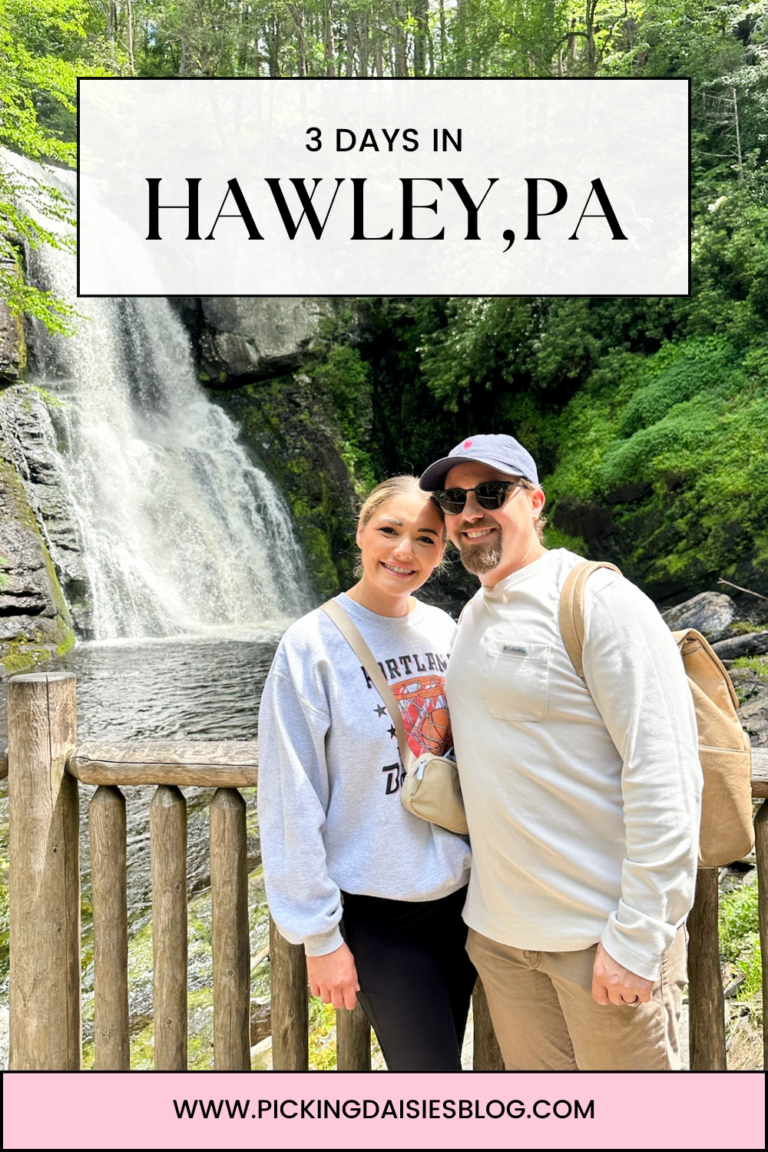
[243, 340]
[13, 352]
[290, 427]
[34, 620]
[30, 445]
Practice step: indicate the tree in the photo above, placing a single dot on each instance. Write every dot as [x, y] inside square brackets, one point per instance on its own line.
[39, 42]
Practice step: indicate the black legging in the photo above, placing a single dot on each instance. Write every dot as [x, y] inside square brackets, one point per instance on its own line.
[415, 977]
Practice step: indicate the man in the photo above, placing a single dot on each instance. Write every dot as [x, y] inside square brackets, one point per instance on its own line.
[582, 796]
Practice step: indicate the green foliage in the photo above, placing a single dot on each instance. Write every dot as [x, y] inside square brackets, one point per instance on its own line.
[345, 378]
[740, 938]
[679, 462]
[39, 40]
[757, 664]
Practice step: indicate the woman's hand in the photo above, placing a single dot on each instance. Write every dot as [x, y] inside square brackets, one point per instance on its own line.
[333, 978]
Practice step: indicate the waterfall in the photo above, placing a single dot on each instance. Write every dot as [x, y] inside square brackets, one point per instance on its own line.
[179, 529]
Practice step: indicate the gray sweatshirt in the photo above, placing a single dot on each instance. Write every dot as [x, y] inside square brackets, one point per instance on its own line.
[330, 815]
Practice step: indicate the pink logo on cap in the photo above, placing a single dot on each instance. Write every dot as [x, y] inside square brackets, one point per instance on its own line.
[467, 444]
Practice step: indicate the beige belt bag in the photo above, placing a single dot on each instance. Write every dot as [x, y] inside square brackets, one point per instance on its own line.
[430, 788]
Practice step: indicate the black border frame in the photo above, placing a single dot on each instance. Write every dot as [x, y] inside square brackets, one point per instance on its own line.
[395, 296]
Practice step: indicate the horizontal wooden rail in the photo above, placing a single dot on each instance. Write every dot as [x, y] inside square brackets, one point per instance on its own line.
[760, 772]
[227, 764]
[209, 764]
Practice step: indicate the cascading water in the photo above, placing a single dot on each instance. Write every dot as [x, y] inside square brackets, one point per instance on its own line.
[179, 531]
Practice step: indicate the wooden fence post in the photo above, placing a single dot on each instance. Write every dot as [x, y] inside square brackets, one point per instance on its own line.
[106, 822]
[44, 881]
[290, 1004]
[353, 1040]
[706, 1003]
[486, 1055]
[168, 840]
[761, 855]
[231, 951]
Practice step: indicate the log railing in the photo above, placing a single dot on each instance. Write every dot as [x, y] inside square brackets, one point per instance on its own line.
[45, 992]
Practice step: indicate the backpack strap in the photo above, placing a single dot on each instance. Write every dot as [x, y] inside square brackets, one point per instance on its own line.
[572, 609]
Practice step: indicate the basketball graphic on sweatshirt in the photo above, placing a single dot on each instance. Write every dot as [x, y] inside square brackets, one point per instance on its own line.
[425, 713]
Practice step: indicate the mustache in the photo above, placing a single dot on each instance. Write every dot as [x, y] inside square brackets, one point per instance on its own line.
[476, 525]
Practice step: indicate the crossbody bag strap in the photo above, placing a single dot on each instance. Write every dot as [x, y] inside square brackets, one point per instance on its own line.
[572, 609]
[358, 645]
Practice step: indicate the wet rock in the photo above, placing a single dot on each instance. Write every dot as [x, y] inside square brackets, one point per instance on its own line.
[748, 644]
[28, 444]
[710, 613]
[752, 690]
[290, 426]
[246, 339]
[34, 620]
[13, 353]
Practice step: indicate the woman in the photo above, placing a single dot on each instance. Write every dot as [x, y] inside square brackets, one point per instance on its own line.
[372, 892]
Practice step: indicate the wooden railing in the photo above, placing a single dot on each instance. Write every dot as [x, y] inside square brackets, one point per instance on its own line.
[45, 991]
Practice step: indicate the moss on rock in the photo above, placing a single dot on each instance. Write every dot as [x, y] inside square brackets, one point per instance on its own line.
[290, 424]
[35, 619]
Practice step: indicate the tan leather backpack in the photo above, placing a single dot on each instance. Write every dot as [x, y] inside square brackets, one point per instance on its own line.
[727, 831]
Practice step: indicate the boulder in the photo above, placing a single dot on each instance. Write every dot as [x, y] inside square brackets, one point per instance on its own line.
[710, 613]
[248, 339]
[748, 644]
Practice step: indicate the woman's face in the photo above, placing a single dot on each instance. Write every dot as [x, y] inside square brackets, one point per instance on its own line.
[401, 544]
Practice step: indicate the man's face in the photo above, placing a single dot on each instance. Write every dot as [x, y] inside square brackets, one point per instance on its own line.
[494, 544]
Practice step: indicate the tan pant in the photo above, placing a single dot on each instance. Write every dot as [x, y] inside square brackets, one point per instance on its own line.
[546, 1020]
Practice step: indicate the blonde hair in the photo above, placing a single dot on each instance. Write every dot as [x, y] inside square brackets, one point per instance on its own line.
[394, 486]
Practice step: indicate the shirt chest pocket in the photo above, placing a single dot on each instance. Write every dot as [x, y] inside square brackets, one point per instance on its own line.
[516, 680]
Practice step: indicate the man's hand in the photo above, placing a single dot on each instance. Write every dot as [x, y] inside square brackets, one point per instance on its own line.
[333, 978]
[612, 983]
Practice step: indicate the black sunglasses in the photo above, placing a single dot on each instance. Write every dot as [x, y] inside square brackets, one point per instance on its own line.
[491, 494]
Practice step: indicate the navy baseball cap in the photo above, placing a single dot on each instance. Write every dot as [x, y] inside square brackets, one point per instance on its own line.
[501, 452]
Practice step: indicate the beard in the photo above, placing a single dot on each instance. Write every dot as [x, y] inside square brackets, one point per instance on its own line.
[482, 557]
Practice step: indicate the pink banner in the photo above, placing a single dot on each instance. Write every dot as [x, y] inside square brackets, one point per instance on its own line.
[371, 1110]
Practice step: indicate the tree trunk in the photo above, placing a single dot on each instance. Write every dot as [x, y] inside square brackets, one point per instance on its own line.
[330, 61]
[242, 50]
[421, 16]
[129, 34]
[591, 8]
[302, 42]
[401, 66]
[442, 34]
[378, 54]
[351, 29]
[362, 45]
[273, 47]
